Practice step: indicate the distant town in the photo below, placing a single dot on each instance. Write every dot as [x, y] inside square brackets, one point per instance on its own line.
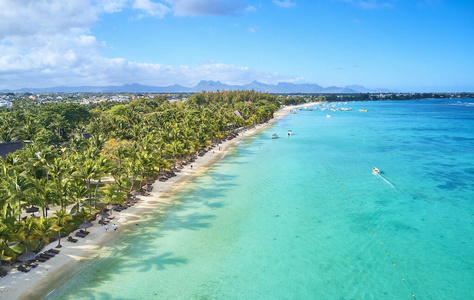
[10, 99]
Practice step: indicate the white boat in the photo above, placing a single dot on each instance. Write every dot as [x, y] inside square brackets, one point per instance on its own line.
[289, 132]
[274, 136]
[328, 115]
[375, 171]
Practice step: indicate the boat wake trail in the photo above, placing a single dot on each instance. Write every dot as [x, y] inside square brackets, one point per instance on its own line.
[386, 181]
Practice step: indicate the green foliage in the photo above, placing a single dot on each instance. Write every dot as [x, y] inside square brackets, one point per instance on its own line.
[131, 142]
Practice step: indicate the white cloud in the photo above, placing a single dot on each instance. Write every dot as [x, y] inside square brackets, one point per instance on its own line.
[111, 6]
[72, 68]
[46, 43]
[284, 3]
[28, 17]
[86, 41]
[209, 7]
[151, 8]
[251, 8]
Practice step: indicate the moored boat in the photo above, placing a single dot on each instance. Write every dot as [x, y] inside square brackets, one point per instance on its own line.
[328, 115]
[289, 132]
[363, 110]
[274, 136]
[375, 171]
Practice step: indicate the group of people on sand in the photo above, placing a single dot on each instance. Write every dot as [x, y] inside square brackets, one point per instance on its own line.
[107, 228]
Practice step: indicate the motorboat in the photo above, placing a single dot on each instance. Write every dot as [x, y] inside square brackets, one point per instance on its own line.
[363, 110]
[375, 171]
[274, 136]
[328, 115]
[289, 132]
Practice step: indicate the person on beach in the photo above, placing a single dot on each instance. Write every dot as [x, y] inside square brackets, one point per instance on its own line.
[115, 227]
[106, 228]
[191, 167]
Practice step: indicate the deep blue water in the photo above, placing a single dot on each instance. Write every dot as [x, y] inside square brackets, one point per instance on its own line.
[303, 217]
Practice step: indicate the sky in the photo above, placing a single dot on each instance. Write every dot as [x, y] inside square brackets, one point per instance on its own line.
[402, 45]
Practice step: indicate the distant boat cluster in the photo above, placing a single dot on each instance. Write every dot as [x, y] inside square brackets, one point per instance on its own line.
[336, 106]
[333, 106]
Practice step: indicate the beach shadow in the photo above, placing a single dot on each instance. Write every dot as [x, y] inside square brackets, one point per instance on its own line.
[96, 276]
[160, 262]
[193, 221]
[215, 205]
[131, 253]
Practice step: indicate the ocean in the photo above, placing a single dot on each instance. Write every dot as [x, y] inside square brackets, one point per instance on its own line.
[304, 217]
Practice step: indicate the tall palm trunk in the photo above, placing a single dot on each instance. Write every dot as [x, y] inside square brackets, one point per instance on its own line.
[95, 193]
[59, 240]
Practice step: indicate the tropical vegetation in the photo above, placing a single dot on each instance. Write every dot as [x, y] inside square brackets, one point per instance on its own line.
[60, 167]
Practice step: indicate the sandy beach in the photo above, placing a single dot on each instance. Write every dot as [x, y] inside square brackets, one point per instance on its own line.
[37, 283]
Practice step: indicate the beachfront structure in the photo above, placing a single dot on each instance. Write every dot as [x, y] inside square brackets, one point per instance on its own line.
[238, 114]
[6, 148]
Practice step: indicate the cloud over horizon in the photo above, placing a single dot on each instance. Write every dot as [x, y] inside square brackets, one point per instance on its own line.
[57, 48]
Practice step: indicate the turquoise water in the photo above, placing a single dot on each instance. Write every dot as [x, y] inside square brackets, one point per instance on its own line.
[292, 218]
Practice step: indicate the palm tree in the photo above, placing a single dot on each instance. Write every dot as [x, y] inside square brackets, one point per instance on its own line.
[76, 193]
[8, 234]
[44, 157]
[82, 214]
[58, 167]
[30, 128]
[78, 144]
[103, 167]
[44, 193]
[133, 169]
[27, 228]
[15, 187]
[175, 148]
[8, 128]
[44, 230]
[61, 217]
[58, 121]
[114, 195]
[86, 171]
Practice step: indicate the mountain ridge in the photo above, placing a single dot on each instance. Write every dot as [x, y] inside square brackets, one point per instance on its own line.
[205, 85]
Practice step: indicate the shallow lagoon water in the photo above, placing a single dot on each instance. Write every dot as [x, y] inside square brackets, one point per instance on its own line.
[292, 218]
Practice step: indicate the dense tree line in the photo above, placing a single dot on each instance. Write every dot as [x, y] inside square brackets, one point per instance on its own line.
[131, 142]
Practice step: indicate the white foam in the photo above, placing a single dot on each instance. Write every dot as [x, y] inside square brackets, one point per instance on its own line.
[388, 182]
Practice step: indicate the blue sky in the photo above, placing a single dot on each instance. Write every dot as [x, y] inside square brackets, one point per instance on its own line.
[404, 45]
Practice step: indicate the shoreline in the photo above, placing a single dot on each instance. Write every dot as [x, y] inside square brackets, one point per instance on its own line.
[40, 281]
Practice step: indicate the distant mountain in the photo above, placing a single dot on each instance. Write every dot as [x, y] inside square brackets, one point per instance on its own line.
[126, 88]
[281, 87]
[361, 89]
[205, 85]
